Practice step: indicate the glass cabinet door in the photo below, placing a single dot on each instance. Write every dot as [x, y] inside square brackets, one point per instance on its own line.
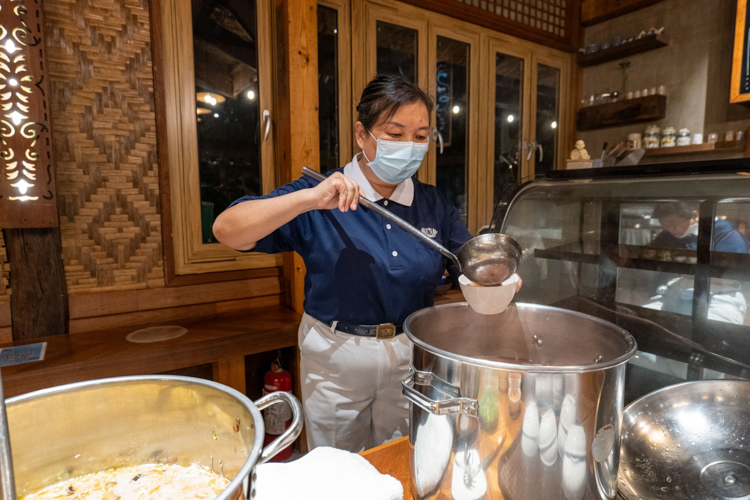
[451, 121]
[510, 151]
[547, 117]
[396, 43]
[334, 84]
[454, 86]
[550, 87]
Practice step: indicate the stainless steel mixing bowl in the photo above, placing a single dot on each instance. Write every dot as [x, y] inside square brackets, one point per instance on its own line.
[75, 429]
[689, 440]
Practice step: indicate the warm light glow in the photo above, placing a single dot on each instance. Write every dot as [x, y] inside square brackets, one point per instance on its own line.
[456, 109]
[13, 82]
[10, 46]
[250, 95]
[637, 226]
[553, 125]
[16, 117]
[210, 98]
[22, 186]
[657, 436]
[511, 118]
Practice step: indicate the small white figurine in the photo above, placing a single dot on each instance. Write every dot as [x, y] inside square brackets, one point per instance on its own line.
[580, 153]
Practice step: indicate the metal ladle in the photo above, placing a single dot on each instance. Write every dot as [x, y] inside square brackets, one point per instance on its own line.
[488, 259]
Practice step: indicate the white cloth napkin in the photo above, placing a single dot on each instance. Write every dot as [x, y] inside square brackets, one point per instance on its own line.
[326, 474]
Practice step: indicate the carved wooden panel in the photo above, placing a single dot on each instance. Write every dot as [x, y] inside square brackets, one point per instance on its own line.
[27, 182]
[104, 126]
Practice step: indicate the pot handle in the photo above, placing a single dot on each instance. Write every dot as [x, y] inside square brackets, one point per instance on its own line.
[466, 406]
[291, 433]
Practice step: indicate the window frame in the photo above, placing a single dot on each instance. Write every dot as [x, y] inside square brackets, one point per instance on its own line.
[185, 252]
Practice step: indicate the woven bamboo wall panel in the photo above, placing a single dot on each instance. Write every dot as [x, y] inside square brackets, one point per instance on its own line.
[104, 130]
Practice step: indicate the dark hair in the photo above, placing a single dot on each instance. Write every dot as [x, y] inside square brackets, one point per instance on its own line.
[385, 94]
[683, 210]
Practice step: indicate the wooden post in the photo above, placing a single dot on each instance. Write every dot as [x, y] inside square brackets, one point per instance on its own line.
[296, 127]
[231, 372]
[297, 131]
[39, 300]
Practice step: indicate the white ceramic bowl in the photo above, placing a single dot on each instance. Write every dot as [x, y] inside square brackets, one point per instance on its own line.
[488, 299]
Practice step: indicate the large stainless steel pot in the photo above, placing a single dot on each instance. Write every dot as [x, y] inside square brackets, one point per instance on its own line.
[523, 405]
[76, 429]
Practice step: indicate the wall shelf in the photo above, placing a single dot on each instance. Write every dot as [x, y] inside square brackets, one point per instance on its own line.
[707, 147]
[735, 266]
[643, 109]
[648, 42]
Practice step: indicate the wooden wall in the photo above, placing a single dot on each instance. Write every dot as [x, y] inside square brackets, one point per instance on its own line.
[104, 128]
[5, 323]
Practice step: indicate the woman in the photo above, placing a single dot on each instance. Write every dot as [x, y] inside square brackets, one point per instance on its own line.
[364, 274]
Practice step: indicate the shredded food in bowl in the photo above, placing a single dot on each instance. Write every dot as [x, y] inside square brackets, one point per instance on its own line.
[141, 482]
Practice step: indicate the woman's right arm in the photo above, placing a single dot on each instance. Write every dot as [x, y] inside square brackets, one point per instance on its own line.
[243, 225]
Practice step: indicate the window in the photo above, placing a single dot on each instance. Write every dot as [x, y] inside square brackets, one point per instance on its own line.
[220, 143]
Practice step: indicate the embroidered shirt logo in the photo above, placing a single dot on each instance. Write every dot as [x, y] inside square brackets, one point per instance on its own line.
[430, 231]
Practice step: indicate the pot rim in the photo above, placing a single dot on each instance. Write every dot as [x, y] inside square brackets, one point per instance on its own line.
[244, 472]
[592, 367]
[649, 396]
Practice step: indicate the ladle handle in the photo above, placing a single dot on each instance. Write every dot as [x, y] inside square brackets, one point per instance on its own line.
[394, 218]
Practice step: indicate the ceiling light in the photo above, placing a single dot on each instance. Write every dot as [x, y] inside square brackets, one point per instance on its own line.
[250, 95]
[216, 115]
[210, 98]
[553, 125]
[511, 118]
[456, 109]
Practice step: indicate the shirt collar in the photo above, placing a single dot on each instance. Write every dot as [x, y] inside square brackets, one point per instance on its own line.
[403, 194]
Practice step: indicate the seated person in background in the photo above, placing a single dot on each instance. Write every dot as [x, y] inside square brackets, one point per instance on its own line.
[680, 230]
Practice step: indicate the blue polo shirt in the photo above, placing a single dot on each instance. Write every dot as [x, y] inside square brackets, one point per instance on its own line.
[361, 268]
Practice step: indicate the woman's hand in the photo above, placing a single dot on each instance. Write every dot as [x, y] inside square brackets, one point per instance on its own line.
[337, 191]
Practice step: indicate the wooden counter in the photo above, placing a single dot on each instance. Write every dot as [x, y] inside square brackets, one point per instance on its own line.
[223, 340]
[393, 459]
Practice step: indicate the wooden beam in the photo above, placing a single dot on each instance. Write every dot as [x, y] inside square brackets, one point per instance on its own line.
[596, 11]
[39, 300]
[296, 125]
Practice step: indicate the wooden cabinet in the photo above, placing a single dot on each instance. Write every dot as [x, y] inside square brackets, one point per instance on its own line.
[502, 103]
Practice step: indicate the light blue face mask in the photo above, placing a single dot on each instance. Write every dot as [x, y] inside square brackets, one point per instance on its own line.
[396, 161]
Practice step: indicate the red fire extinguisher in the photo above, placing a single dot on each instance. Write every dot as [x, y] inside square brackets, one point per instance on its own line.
[277, 417]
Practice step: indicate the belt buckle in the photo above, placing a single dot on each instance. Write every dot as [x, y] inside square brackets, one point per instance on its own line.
[385, 331]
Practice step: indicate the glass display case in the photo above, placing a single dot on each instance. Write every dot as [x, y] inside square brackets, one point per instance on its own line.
[662, 252]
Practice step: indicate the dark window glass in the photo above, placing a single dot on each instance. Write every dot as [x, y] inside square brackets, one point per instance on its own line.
[226, 83]
[328, 88]
[397, 50]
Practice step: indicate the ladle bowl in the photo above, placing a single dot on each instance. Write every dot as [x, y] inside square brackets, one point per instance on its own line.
[488, 259]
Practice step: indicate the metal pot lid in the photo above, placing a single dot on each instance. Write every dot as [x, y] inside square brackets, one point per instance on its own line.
[527, 337]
